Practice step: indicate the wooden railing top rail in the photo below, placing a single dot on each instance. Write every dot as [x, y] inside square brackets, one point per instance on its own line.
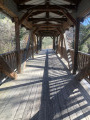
[80, 52]
[3, 54]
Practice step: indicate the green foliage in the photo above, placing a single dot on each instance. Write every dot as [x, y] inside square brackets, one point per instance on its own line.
[47, 43]
[7, 34]
[24, 34]
[84, 38]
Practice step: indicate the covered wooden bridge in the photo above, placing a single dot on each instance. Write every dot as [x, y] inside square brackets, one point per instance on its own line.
[45, 84]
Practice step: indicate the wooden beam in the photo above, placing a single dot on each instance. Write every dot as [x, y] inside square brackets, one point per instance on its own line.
[40, 42]
[27, 24]
[5, 68]
[48, 29]
[8, 11]
[34, 40]
[18, 44]
[76, 46]
[37, 45]
[36, 20]
[67, 14]
[25, 16]
[36, 13]
[32, 43]
[12, 14]
[47, 2]
[57, 12]
[45, 7]
[47, 19]
[73, 1]
[21, 1]
[54, 42]
[61, 40]
[45, 24]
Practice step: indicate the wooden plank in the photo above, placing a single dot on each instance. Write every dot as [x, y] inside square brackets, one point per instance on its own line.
[5, 68]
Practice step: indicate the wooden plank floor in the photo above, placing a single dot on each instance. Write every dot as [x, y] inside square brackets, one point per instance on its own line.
[44, 91]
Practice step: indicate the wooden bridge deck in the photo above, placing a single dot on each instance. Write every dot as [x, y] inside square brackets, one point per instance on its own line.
[44, 91]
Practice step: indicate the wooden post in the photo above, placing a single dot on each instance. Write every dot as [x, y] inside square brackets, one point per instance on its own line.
[57, 45]
[28, 45]
[76, 46]
[54, 42]
[37, 44]
[40, 42]
[17, 45]
[61, 37]
[32, 43]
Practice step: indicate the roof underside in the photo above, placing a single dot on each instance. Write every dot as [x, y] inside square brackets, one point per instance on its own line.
[47, 15]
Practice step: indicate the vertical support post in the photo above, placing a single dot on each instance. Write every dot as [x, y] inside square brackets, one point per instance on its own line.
[54, 42]
[17, 45]
[29, 44]
[61, 37]
[40, 42]
[57, 45]
[37, 44]
[76, 46]
[32, 39]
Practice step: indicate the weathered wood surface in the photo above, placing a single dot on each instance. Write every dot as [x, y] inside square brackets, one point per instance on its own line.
[5, 68]
[85, 72]
[44, 91]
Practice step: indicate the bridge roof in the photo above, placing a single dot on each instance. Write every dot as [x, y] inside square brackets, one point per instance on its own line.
[47, 15]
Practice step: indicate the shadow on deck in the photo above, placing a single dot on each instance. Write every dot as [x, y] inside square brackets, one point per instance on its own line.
[48, 93]
[62, 97]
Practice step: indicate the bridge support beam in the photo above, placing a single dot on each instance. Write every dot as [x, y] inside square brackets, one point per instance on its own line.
[17, 45]
[32, 43]
[76, 46]
[37, 44]
[54, 42]
[40, 42]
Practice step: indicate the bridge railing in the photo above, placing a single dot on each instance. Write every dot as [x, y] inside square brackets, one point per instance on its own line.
[11, 59]
[83, 60]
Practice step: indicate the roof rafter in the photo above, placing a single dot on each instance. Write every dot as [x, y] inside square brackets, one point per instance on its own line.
[21, 1]
[47, 19]
[45, 24]
[44, 7]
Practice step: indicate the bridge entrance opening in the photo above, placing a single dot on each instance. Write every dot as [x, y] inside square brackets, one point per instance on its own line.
[47, 43]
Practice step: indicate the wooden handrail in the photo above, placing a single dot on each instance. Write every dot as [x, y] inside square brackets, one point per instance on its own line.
[83, 62]
[5, 68]
[83, 73]
[10, 59]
